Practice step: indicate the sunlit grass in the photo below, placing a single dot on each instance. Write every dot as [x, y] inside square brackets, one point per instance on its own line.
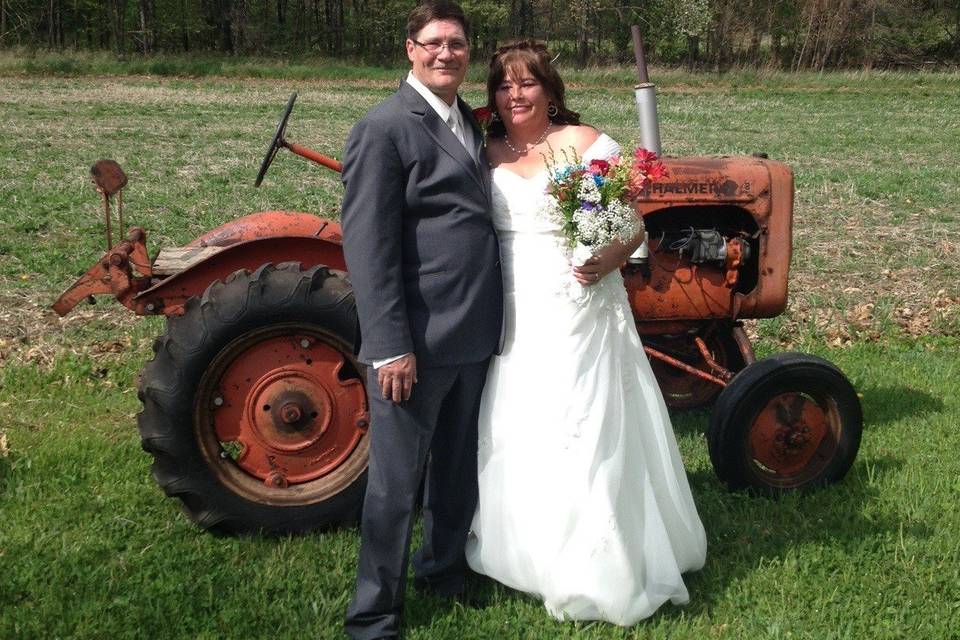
[90, 548]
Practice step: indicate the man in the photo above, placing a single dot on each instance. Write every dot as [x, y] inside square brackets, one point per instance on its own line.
[424, 263]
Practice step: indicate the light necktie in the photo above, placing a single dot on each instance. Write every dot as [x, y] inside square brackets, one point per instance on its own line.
[455, 126]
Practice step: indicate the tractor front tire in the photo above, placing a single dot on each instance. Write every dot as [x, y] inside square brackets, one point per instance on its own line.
[788, 422]
[254, 407]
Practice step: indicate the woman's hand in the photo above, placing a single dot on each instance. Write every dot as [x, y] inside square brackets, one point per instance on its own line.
[604, 261]
[608, 259]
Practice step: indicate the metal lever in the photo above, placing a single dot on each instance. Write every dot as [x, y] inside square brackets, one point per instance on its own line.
[109, 179]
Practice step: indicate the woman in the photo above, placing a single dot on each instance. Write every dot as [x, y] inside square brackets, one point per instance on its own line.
[584, 501]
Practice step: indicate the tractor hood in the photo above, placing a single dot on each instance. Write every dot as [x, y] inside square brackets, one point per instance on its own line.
[727, 179]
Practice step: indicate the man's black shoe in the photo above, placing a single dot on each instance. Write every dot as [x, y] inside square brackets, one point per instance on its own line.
[452, 588]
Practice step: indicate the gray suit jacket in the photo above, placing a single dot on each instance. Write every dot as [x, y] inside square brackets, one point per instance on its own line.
[417, 235]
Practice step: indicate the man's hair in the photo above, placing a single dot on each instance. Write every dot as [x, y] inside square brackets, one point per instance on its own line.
[432, 10]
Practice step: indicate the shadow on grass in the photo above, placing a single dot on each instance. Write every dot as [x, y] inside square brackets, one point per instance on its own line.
[744, 530]
[6, 470]
[883, 405]
[746, 533]
[422, 609]
[690, 421]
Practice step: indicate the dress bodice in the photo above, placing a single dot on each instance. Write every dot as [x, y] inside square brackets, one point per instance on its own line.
[517, 200]
[532, 248]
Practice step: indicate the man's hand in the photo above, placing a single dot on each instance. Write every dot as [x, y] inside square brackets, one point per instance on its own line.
[397, 378]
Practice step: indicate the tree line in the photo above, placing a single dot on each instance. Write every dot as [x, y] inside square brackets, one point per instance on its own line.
[712, 34]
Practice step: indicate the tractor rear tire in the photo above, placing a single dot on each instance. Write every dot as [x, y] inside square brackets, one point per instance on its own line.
[788, 422]
[282, 336]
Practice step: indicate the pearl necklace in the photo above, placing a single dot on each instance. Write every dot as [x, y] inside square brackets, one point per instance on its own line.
[542, 137]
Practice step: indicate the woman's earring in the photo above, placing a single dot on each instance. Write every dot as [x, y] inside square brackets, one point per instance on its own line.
[495, 115]
[552, 110]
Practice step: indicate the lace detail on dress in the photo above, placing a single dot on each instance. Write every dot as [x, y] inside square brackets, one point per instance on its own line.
[603, 544]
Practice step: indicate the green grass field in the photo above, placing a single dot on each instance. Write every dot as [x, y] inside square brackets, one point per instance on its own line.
[90, 548]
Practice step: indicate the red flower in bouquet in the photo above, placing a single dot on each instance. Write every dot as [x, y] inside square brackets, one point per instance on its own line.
[656, 172]
[647, 168]
[644, 155]
[599, 167]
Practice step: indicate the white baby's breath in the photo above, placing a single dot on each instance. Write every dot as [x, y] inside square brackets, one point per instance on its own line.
[588, 191]
[598, 227]
[624, 221]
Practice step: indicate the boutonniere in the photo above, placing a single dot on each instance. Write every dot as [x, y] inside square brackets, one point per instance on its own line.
[483, 116]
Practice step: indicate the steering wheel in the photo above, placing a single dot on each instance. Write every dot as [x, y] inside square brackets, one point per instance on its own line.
[277, 141]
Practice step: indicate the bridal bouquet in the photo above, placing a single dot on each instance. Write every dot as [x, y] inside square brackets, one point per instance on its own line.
[592, 202]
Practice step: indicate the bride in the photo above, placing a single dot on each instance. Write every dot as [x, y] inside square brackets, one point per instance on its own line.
[584, 501]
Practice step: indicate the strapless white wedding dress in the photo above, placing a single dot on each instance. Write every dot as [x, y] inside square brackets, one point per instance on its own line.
[584, 501]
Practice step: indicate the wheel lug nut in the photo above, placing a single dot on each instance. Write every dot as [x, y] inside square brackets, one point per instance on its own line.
[277, 479]
[304, 343]
[290, 412]
[218, 401]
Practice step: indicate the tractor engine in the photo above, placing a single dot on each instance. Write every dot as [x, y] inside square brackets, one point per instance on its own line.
[718, 242]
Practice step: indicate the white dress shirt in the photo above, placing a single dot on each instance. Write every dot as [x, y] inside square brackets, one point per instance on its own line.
[448, 113]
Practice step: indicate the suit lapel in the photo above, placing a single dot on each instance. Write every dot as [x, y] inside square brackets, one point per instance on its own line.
[477, 132]
[479, 150]
[442, 136]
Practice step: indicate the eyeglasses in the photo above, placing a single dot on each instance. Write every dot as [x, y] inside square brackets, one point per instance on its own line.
[433, 47]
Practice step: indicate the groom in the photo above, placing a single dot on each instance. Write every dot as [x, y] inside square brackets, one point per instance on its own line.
[424, 263]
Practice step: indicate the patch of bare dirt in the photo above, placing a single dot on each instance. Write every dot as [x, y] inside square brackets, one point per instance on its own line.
[880, 312]
[31, 333]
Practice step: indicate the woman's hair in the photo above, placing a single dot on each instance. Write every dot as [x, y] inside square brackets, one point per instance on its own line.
[515, 56]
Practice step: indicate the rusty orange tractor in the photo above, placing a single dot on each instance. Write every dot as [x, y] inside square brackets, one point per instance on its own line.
[254, 407]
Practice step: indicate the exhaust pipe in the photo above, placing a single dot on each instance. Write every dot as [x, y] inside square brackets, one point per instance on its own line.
[646, 96]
